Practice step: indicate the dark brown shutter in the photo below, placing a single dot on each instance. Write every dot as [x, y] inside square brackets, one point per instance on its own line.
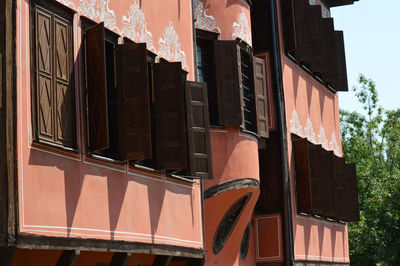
[328, 183]
[227, 65]
[340, 63]
[169, 109]
[289, 28]
[44, 75]
[302, 173]
[198, 129]
[340, 189]
[260, 92]
[65, 112]
[352, 211]
[133, 97]
[96, 89]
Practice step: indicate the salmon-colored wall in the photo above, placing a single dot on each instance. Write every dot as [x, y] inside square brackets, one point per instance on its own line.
[67, 194]
[215, 209]
[230, 18]
[312, 112]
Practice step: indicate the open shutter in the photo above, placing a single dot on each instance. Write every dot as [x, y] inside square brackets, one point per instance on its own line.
[303, 179]
[340, 63]
[65, 105]
[340, 188]
[261, 96]
[44, 75]
[134, 141]
[289, 25]
[327, 174]
[96, 89]
[169, 110]
[198, 129]
[227, 66]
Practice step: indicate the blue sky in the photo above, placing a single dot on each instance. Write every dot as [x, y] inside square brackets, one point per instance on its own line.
[372, 42]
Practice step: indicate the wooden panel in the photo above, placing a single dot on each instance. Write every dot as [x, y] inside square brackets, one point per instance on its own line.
[133, 96]
[328, 183]
[44, 75]
[340, 62]
[227, 62]
[304, 49]
[170, 126]
[269, 238]
[351, 193]
[198, 130]
[289, 26]
[302, 173]
[340, 189]
[65, 111]
[261, 25]
[96, 89]
[260, 91]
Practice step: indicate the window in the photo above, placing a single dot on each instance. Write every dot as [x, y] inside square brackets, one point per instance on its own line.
[53, 101]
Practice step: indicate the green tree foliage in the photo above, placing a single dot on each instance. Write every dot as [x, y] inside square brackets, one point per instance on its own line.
[372, 141]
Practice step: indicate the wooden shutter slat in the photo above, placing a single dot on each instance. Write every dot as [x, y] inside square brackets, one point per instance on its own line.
[44, 75]
[134, 131]
[198, 129]
[98, 138]
[169, 110]
[260, 91]
[65, 112]
[227, 66]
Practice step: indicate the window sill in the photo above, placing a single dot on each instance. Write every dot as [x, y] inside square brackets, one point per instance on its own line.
[56, 148]
[106, 159]
[250, 133]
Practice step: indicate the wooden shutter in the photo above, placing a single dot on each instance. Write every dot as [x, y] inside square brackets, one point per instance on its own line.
[340, 188]
[328, 183]
[260, 91]
[340, 63]
[44, 75]
[65, 106]
[302, 172]
[169, 110]
[289, 28]
[352, 212]
[198, 129]
[134, 141]
[96, 89]
[227, 66]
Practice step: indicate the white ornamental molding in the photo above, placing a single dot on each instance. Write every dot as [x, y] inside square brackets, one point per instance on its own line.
[170, 47]
[204, 21]
[135, 26]
[309, 131]
[68, 3]
[333, 144]
[98, 9]
[322, 138]
[241, 28]
[295, 126]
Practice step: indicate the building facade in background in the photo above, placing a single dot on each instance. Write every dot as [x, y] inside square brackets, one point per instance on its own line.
[196, 132]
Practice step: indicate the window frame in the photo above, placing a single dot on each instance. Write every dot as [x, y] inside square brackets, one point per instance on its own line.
[61, 12]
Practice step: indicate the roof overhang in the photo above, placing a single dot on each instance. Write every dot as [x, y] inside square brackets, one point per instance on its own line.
[334, 3]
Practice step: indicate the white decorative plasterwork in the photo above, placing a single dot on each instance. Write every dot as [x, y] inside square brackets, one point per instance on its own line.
[322, 138]
[204, 21]
[98, 9]
[67, 3]
[135, 26]
[309, 131]
[333, 144]
[295, 126]
[170, 47]
[241, 28]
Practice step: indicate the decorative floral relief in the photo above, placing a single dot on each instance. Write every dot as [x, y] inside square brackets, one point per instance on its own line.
[135, 26]
[67, 3]
[98, 9]
[204, 21]
[333, 144]
[309, 131]
[170, 48]
[241, 28]
[295, 126]
[322, 138]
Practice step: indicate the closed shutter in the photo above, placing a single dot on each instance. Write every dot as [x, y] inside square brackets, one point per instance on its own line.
[44, 75]
[169, 110]
[65, 111]
[340, 188]
[289, 28]
[227, 65]
[340, 63]
[198, 130]
[328, 192]
[96, 89]
[133, 97]
[317, 179]
[352, 211]
[260, 92]
[302, 172]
